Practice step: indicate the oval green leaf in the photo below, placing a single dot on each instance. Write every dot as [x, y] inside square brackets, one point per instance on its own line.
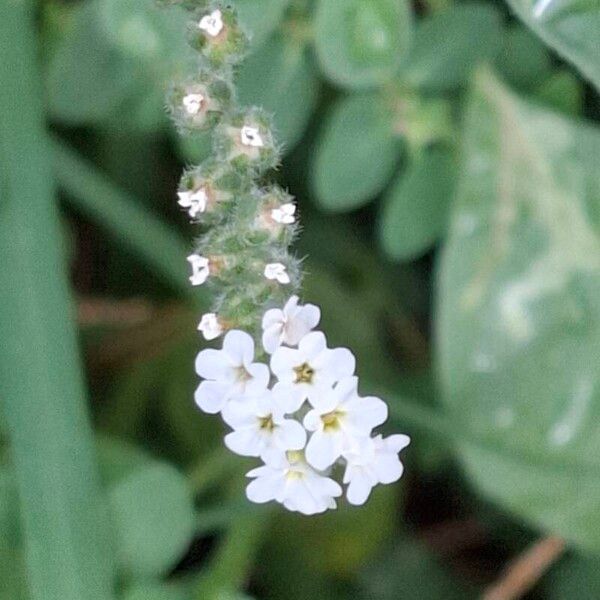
[449, 45]
[356, 153]
[416, 206]
[361, 43]
[280, 77]
[154, 518]
[519, 318]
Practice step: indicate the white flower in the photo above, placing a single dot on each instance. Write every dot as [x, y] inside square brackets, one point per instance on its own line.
[312, 368]
[194, 201]
[193, 103]
[229, 372]
[294, 484]
[376, 462]
[251, 137]
[200, 268]
[260, 428]
[212, 23]
[340, 420]
[284, 214]
[210, 327]
[277, 271]
[288, 326]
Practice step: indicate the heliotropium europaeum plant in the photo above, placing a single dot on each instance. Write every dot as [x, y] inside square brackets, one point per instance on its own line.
[289, 399]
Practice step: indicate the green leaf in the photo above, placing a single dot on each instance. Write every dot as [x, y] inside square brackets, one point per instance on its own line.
[523, 60]
[361, 43]
[280, 77]
[571, 27]
[562, 92]
[87, 78]
[356, 153]
[451, 43]
[416, 207]
[575, 576]
[154, 517]
[260, 17]
[63, 515]
[157, 591]
[145, 31]
[519, 320]
[408, 566]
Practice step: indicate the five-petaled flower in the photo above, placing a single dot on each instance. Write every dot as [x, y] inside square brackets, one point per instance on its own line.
[311, 369]
[260, 427]
[293, 483]
[340, 420]
[288, 326]
[376, 462]
[200, 268]
[229, 373]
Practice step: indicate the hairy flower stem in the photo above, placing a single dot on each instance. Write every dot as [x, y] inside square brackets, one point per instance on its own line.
[247, 224]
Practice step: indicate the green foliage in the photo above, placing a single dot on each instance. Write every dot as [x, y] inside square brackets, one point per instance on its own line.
[373, 102]
[570, 27]
[154, 518]
[290, 92]
[416, 206]
[361, 43]
[517, 311]
[450, 43]
[356, 154]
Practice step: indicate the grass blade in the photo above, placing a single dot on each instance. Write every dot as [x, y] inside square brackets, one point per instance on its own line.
[42, 396]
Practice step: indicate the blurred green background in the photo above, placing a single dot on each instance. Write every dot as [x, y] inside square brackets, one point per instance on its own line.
[447, 169]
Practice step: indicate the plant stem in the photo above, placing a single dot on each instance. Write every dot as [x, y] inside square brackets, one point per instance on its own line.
[65, 528]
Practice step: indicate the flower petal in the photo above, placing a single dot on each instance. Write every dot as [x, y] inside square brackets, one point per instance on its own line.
[239, 346]
[290, 435]
[283, 362]
[388, 468]
[359, 488]
[212, 364]
[259, 380]
[245, 442]
[323, 449]
[271, 337]
[273, 316]
[265, 488]
[312, 344]
[211, 396]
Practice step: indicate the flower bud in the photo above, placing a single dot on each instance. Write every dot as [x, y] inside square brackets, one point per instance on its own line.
[245, 141]
[216, 33]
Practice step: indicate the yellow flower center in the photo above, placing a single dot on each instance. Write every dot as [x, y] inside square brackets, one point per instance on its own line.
[304, 373]
[266, 423]
[331, 420]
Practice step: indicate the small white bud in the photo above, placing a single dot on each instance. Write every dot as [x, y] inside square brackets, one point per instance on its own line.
[210, 327]
[200, 269]
[284, 214]
[194, 201]
[277, 271]
[193, 103]
[212, 23]
[251, 137]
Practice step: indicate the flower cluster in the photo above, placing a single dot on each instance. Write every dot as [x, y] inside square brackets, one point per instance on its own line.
[302, 414]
